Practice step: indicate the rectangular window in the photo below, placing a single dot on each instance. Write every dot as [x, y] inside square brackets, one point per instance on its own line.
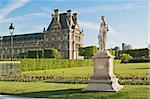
[52, 44]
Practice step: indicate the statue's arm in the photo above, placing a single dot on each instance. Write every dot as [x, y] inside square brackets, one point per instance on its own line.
[107, 27]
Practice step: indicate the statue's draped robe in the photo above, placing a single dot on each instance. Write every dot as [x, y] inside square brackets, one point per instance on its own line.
[103, 35]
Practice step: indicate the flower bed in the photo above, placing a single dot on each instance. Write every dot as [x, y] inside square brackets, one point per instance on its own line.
[71, 80]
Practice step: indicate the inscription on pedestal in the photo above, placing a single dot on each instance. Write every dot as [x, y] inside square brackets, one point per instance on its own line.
[100, 67]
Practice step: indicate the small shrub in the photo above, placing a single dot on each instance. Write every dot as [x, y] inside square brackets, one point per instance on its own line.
[125, 57]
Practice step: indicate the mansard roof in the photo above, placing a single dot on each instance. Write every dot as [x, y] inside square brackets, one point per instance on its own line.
[63, 19]
[24, 37]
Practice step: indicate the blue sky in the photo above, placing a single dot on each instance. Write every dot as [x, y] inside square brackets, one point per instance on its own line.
[128, 19]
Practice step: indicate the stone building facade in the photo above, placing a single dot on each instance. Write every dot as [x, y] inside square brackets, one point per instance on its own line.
[63, 33]
[21, 43]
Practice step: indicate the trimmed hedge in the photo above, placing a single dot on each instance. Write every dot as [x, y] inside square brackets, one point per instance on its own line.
[44, 53]
[137, 53]
[141, 60]
[35, 54]
[88, 52]
[51, 53]
[46, 64]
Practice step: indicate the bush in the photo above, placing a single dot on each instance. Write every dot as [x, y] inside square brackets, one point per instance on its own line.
[125, 57]
[117, 61]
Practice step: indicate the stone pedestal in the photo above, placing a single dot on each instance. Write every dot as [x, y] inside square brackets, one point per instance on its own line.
[103, 78]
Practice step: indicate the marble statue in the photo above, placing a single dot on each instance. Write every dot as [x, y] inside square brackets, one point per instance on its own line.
[103, 34]
[103, 78]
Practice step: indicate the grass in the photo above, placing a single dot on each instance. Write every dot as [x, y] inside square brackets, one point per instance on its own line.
[26, 87]
[69, 91]
[65, 72]
[122, 70]
[73, 91]
[133, 69]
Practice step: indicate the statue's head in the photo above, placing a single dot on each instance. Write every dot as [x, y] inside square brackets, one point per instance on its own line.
[103, 17]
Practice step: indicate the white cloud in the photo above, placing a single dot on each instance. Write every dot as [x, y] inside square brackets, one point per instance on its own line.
[12, 6]
[29, 23]
[23, 17]
[114, 7]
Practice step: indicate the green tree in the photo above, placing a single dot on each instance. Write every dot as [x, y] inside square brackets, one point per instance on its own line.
[129, 47]
[125, 57]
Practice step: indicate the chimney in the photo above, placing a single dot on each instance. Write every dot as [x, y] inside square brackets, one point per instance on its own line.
[69, 17]
[56, 11]
[56, 16]
[44, 29]
[75, 17]
[123, 46]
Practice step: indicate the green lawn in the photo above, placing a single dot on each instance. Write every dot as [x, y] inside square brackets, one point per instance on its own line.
[133, 69]
[70, 91]
[73, 91]
[122, 70]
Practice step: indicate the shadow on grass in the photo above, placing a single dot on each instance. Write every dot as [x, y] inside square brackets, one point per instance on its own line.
[142, 68]
[78, 94]
[53, 93]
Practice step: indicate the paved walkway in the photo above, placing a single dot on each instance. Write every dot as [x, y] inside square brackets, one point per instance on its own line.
[8, 62]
